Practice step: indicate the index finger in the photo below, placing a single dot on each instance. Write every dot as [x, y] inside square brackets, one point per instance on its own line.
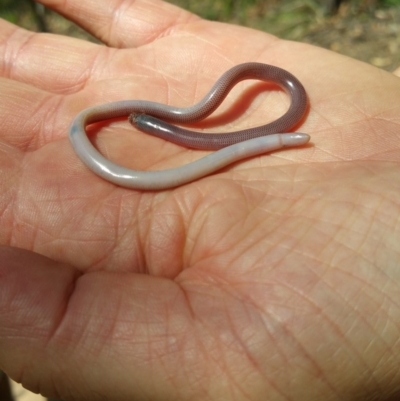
[123, 24]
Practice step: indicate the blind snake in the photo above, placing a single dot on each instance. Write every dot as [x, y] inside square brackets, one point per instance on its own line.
[148, 116]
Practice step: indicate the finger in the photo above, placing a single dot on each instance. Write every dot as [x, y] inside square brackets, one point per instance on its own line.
[62, 333]
[70, 64]
[50, 62]
[33, 292]
[30, 117]
[123, 24]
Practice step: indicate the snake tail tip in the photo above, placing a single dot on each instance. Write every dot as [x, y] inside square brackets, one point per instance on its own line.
[295, 139]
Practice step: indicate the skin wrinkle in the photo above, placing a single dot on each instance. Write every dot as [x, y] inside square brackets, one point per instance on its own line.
[123, 234]
[318, 369]
[383, 156]
[245, 234]
[20, 378]
[177, 94]
[158, 358]
[168, 88]
[369, 348]
[365, 283]
[53, 54]
[14, 226]
[350, 304]
[101, 318]
[330, 322]
[39, 324]
[11, 59]
[356, 231]
[207, 256]
[7, 65]
[4, 214]
[89, 72]
[257, 306]
[9, 194]
[87, 234]
[172, 376]
[35, 123]
[330, 155]
[42, 238]
[148, 246]
[48, 120]
[145, 228]
[254, 363]
[235, 386]
[337, 121]
[173, 28]
[319, 259]
[228, 234]
[268, 48]
[99, 63]
[197, 349]
[60, 321]
[108, 245]
[217, 361]
[381, 116]
[253, 245]
[272, 245]
[187, 206]
[339, 247]
[159, 246]
[247, 302]
[381, 137]
[370, 226]
[255, 267]
[184, 205]
[218, 49]
[365, 320]
[118, 10]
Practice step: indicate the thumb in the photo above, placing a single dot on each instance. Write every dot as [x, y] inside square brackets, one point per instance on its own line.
[34, 291]
[89, 336]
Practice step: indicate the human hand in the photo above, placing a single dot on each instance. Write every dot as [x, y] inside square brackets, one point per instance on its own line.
[275, 279]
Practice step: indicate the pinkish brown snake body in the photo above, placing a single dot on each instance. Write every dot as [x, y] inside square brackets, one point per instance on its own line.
[149, 117]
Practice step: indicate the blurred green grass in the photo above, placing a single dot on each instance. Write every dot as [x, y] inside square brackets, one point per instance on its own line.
[261, 14]
[288, 19]
[12, 10]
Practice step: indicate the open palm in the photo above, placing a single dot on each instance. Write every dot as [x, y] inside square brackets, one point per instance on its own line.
[275, 279]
